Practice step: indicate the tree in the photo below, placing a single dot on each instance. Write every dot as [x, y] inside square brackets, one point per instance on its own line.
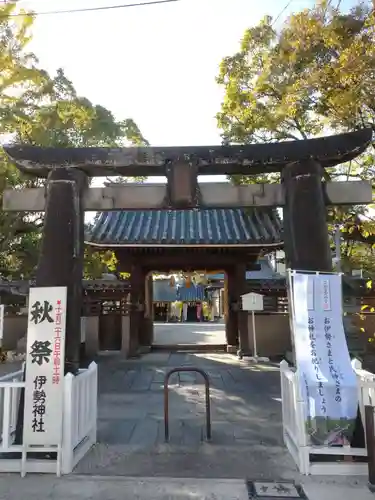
[41, 110]
[317, 71]
[316, 74]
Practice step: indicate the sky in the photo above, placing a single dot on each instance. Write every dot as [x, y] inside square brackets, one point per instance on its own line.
[156, 64]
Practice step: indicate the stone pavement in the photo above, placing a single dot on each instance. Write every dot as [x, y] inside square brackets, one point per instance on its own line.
[132, 461]
[12, 487]
[189, 333]
[9, 367]
[246, 420]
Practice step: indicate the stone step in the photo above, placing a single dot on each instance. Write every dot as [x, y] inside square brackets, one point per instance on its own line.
[189, 348]
[204, 461]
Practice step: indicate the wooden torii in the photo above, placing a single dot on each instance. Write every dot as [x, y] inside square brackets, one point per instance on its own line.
[302, 194]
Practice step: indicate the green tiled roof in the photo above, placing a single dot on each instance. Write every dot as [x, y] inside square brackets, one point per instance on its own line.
[253, 226]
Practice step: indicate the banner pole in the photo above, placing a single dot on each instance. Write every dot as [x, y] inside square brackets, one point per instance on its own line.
[254, 335]
[291, 314]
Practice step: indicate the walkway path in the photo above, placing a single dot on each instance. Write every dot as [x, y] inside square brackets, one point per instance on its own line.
[246, 420]
[189, 333]
[117, 488]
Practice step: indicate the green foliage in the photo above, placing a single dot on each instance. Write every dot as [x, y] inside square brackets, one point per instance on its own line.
[315, 75]
[98, 262]
[43, 110]
[64, 119]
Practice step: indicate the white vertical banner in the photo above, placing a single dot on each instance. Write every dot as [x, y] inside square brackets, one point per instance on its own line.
[327, 380]
[45, 357]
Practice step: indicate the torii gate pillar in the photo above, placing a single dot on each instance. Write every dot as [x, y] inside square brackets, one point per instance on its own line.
[61, 257]
[305, 217]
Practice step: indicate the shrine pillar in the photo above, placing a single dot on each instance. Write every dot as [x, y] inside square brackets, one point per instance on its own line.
[137, 308]
[305, 217]
[61, 256]
[147, 335]
[231, 319]
[225, 297]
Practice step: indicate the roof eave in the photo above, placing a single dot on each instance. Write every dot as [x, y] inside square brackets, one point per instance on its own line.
[178, 245]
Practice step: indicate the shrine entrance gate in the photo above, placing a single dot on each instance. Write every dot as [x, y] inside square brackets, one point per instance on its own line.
[303, 193]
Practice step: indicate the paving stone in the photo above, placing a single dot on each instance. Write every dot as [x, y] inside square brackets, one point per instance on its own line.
[116, 432]
[222, 433]
[217, 383]
[214, 373]
[145, 433]
[143, 380]
[129, 378]
[174, 379]
[157, 386]
[190, 377]
[193, 432]
[176, 432]
[244, 416]
[159, 375]
[229, 382]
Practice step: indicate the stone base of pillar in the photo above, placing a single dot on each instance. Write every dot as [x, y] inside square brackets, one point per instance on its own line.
[144, 349]
[232, 349]
[243, 332]
[125, 336]
[134, 323]
[92, 337]
[147, 332]
[231, 328]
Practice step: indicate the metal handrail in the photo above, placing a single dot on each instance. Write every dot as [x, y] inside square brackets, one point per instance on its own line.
[166, 399]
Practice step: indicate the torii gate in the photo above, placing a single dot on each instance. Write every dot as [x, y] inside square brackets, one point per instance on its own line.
[302, 194]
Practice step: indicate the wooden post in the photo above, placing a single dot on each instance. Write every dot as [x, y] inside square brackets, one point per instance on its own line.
[305, 218]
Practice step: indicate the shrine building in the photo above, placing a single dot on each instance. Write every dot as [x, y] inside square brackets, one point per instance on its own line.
[229, 240]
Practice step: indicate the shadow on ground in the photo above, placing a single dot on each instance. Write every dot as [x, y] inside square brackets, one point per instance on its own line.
[246, 419]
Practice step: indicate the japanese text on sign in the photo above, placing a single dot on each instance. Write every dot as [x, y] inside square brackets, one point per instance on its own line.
[41, 312]
[316, 364]
[326, 294]
[44, 366]
[326, 378]
[39, 404]
[57, 344]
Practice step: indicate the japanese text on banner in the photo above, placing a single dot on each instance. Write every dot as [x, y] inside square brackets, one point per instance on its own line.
[44, 366]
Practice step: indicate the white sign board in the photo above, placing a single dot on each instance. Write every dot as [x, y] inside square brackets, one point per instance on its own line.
[2, 311]
[327, 380]
[252, 302]
[45, 356]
